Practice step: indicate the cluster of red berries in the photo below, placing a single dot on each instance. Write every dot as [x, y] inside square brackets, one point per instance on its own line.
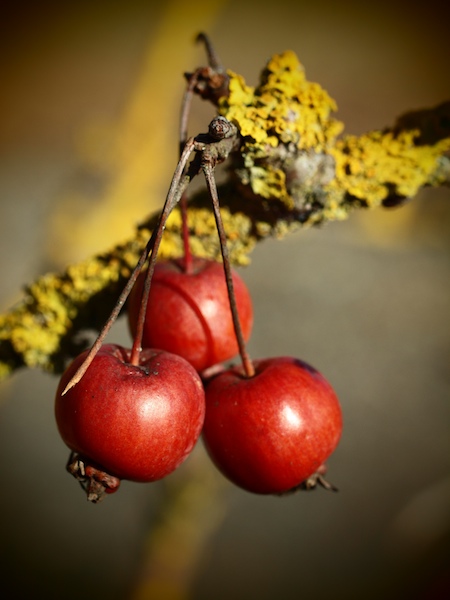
[268, 433]
[268, 425]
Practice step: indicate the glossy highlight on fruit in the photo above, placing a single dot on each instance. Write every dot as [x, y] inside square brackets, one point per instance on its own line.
[132, 422]
[188, 312]
[270, 432]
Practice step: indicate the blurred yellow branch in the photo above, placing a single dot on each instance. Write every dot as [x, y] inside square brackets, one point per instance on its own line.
[193, 507]
[126, 164]
[291, 170]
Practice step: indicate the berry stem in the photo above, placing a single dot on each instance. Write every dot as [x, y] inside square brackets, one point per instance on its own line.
[187, 254]
[183, 134]
[247, 364]
[176, 193]
[176, 190]
[213, 59]
[185, 110]
[112, 317]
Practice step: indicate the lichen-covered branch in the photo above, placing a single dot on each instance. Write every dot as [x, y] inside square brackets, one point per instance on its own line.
[291, 152]
[292, 169]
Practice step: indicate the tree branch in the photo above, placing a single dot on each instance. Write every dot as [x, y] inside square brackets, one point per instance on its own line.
[291, 170]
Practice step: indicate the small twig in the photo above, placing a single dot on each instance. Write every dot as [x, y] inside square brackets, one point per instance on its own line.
[212, 148]
[176, 191]
[221, 129]
[177, 187]
[113, 316]
[187, 254]
[245, 357]
[183, 134]
[213, 59]
[211, 82]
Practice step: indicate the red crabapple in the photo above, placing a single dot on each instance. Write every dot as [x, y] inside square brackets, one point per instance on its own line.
[131, 422]
[189, 313]
[271, 432]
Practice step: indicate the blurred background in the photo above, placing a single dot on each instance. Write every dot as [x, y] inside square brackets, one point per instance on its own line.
[88, 139]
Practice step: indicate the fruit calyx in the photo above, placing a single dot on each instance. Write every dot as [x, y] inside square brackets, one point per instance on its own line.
[94, 481]
[312, 482]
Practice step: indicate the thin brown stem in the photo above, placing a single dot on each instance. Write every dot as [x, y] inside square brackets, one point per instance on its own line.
[185, 110]
[187, 254]
[137, 341]
[213, 59]
[176, 191]
[177, 187]
[113, 316]
[247, 364]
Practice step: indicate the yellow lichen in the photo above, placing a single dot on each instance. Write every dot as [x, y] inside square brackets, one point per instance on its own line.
[285, 107]
[284, 110]
[35, 327]
[377, 164]
[269, 182]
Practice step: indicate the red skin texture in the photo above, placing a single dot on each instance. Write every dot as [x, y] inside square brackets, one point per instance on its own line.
[270, 432]
[137, 423]
[189, 313]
